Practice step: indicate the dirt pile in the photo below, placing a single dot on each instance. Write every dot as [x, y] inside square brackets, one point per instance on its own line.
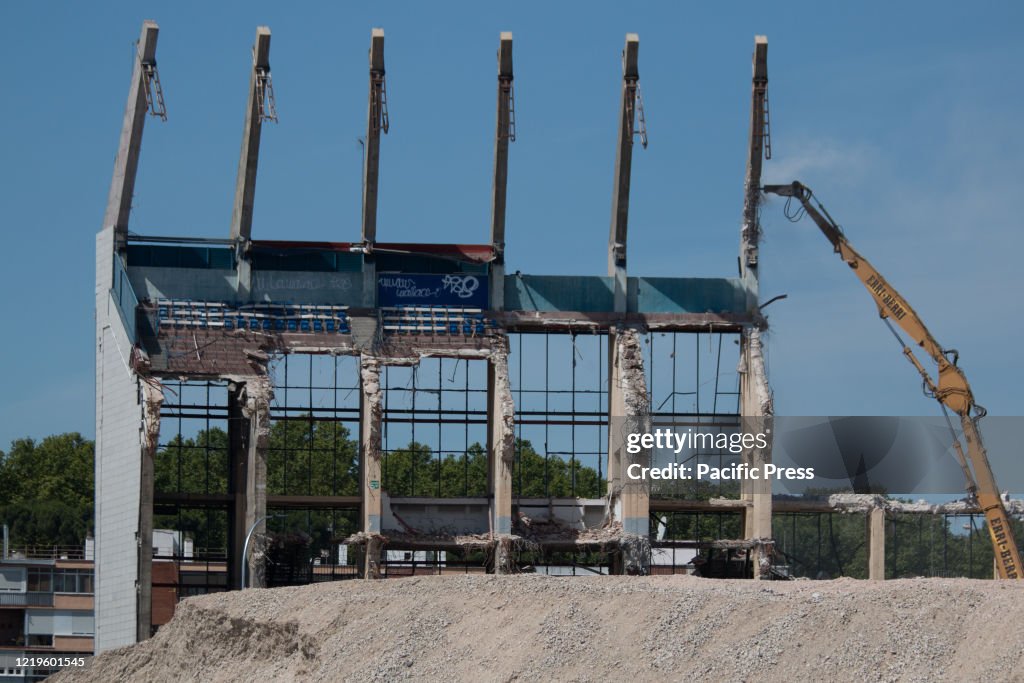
[526, 628]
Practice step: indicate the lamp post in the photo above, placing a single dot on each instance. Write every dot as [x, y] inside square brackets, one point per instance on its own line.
[245, 547]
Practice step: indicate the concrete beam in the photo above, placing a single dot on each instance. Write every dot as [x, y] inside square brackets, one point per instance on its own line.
[751, 231]
[623, 167]
[756, 409]
[126, 164]
[876, 544]
[248, 161]
[504, 134]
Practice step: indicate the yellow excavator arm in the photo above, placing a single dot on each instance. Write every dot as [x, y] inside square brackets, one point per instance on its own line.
[950, 388]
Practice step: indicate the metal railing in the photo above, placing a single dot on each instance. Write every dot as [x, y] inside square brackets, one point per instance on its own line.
[47, 552]
[32, 599]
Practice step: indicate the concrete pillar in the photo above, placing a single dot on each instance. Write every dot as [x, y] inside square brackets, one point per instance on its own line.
[248, 162]
[504, 134]
[126, 427]
[629, 411]
[371, 414]
[152, 400]
[616, 409]
[258, 395]
[751, 231]
[756, 411]
[374, 549]
[126, 164]
[238, 457]
[876, 544]
[501, 448]
[377, 123]
[623, 168]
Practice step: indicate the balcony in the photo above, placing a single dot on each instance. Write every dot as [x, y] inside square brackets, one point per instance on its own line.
[31, 599]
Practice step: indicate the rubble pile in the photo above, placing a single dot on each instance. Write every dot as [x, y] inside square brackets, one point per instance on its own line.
[525, 628]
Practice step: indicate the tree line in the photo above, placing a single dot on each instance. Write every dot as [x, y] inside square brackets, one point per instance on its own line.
[47, 488]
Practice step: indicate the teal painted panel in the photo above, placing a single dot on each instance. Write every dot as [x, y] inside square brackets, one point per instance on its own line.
[197, 284]
[588, 294]
[338, 288]
[686, 295]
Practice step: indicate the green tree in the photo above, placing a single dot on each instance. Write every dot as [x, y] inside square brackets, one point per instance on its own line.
[417, 471]
[312, 457]
[46, 490]
[537, 476]
[193, 465]
[465, 475]
[304, 457]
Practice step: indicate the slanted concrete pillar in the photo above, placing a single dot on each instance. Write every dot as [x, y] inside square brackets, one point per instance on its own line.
[371, 416]
[258, 395]
[750, 234]
[126, 164]
[501, 448]
[876, 544]
[629, 411]
[248, 162]
[376, 125]
[623, 169]
[504, 134]
[756, 410]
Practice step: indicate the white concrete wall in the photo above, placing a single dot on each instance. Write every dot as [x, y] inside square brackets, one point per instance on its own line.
[118, 449]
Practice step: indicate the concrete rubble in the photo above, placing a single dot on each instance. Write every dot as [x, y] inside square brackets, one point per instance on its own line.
[528, 627]
[856, 502]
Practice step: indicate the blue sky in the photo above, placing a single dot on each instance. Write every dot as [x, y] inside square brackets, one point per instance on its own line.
[903, 117]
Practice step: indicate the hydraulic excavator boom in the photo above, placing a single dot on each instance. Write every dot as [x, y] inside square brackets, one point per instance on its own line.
[950, 388]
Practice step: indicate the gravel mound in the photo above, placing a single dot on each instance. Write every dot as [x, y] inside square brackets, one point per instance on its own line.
[535, 628]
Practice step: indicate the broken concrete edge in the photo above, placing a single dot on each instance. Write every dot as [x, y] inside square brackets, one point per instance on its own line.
[259, 392]
[630, 382]
[861, 503]
[256, 400]
[152, 402]
[403, 539]
[857, 502]
[592, 322]
[369, 373]
[505, 422]
[630, 356]
[636, 554]
[752, 362]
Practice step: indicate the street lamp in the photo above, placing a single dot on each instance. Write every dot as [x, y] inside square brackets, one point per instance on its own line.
[248, 537]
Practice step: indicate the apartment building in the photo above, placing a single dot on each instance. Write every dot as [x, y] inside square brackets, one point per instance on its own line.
[46, 610]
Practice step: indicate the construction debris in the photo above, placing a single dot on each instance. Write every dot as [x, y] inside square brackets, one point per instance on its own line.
[525, 628]
[863, 502]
